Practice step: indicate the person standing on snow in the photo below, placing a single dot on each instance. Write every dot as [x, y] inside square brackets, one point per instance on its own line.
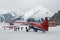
[18, 28]
[21, 28]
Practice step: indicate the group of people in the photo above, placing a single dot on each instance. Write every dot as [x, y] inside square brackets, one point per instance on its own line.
[19, 28]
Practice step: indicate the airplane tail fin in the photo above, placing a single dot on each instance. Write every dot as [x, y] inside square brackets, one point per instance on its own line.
[45, 24]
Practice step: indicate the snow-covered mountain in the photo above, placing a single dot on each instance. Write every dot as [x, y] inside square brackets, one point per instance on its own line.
[38, 12]
[6, 17]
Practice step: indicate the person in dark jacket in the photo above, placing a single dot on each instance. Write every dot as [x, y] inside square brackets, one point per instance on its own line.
[27, 29]
[21, 28]
[18, 28]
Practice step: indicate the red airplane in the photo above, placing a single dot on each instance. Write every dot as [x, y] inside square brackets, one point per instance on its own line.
[43, 26]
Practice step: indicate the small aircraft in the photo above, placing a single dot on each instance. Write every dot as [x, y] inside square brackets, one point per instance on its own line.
[42, 26]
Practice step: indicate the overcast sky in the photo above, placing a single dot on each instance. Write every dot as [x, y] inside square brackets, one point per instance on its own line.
[25, 5]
